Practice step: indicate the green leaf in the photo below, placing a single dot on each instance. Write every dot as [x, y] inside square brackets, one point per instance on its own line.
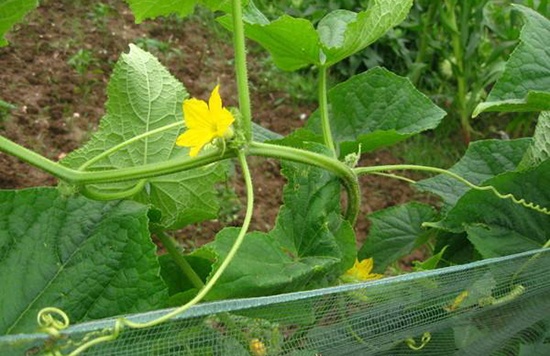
[332, 28]
[394, 233]
[429, 263]
[538, 348]
[261, 134]
[495, 241]
[483, 160]
[498, 227]
[215, 5]
[91, 259]
[187, 197]
[375, 109]
[146, 9]
[143, 96]
[222, 5]
[310, 244]
[11, 12]
[540, 147]
[292, 42]
[343, 33]
[525, 83]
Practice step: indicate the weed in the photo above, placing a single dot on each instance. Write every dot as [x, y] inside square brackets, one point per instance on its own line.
[81, 61]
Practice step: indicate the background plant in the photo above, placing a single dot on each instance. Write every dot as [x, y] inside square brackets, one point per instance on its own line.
[452, 51]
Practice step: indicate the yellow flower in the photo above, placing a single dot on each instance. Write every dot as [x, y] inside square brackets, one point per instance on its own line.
[205, 122]
[257, 347]
[361, 271]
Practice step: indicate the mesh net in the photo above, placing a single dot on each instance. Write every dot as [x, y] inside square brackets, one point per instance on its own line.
[497, 306]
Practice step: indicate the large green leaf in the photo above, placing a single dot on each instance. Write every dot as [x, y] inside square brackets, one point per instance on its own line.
[498, 227]
[222, 5]
[483, 160]
[143, 96]
[147, 9]
[525, 83]
[294, 43]
[310, 244]
[377, 108]
[11, 12]
[395, 232]
[540, 147]
[91, 259]
[343, 33]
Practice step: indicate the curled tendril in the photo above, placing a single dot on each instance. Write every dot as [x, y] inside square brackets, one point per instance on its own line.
[426, 337]
[522, 202]
[52, 320]
[509, 196]
[95, 194]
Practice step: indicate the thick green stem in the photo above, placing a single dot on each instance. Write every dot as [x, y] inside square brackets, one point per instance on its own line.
[241, 70]
[77, 177]
[172, 248]
[323, 110]
[177, 165]
[91, 193]
[37, 160]
[345, 173]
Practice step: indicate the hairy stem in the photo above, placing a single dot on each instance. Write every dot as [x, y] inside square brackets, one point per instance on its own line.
[37, 160]
[323, 110]
[172, 248]
[241, 70]
[83, 178]
[349, 178]
[94, 194]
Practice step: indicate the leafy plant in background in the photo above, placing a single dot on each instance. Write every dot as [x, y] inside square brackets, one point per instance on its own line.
[453, 51]
[81, 60]
[96, 258]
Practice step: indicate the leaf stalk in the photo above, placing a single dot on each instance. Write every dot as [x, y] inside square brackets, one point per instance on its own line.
[323, 110]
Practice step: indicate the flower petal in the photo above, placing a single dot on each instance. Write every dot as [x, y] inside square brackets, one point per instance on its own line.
[196, 114]
[215, 101]
[196, 139]
[366, 265]
[204, 122]
[361, 270]
[224, 119]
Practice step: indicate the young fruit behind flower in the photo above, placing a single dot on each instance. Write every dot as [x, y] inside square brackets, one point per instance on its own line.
[205, 122]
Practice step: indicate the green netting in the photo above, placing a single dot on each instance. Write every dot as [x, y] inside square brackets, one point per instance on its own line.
[497, 306]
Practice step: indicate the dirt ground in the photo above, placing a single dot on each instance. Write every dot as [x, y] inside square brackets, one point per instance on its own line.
[56, 108]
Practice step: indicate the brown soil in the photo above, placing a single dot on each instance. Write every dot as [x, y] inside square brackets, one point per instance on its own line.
[57, 108]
